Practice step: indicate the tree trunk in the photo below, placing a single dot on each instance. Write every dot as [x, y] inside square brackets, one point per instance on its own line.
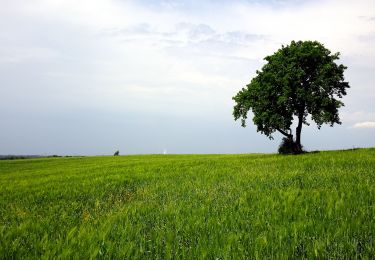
[298, 146]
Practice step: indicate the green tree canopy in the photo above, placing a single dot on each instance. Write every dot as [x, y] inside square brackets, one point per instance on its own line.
[298, 80]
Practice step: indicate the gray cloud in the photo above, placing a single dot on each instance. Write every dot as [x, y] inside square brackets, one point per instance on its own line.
[199, 5]
[190, 38]
[370, 37]
[367, 18]
[193, 33]
[137, 29]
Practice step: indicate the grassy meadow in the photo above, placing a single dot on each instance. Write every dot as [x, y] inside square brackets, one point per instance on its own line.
[317, 205]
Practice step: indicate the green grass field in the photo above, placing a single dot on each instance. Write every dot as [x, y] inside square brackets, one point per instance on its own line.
[318, 205]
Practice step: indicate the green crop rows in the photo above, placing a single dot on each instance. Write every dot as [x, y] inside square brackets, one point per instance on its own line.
[318, 205]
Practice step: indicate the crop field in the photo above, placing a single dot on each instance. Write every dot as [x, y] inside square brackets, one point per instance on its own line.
[317, 205]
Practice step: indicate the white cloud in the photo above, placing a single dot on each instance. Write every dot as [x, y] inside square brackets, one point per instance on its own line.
[365, 125]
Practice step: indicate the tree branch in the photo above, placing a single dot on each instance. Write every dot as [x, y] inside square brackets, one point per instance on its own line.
[284, 133]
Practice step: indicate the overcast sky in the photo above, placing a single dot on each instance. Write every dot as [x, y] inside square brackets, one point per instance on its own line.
[93, 76]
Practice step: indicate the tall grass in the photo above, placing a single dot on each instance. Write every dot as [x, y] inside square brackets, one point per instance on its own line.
[319, 205]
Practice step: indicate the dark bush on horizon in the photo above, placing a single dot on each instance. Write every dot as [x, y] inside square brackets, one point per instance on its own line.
[117, 153]
[288, 146]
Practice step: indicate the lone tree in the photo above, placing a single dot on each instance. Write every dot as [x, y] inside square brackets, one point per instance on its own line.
[298, 80]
